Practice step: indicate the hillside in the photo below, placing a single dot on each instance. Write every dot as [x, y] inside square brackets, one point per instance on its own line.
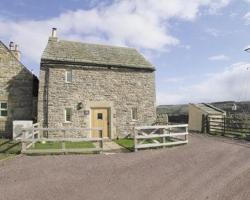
[179, 113]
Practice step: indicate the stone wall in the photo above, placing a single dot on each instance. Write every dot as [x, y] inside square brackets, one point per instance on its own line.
[119, 89]
[16, 88]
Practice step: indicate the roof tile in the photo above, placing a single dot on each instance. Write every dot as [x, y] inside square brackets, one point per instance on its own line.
[62, 50]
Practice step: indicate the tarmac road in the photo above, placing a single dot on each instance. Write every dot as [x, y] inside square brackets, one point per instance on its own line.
[206, 168]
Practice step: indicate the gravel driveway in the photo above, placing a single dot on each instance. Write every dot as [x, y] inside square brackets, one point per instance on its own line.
[206, 168]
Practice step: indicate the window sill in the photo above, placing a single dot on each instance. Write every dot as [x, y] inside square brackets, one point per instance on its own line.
[67, 122]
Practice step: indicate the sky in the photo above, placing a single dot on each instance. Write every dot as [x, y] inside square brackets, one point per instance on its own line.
[196, 46]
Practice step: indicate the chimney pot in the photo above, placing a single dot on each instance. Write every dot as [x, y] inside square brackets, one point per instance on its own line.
[16, 47]
[11, 45]
[54, 32]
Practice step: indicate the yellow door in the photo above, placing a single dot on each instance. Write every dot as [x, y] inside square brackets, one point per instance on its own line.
[100, 119]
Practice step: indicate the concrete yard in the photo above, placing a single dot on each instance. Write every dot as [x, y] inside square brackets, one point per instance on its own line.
[206, 168]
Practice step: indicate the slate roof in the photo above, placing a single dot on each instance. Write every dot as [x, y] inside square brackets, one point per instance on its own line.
[210, 109]
[93, 54]
[21, 64]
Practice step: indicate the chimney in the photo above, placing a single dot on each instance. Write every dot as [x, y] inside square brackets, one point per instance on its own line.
[53, 37]
[53, 33]
[15, 50]
[17, 53]
[11, 45]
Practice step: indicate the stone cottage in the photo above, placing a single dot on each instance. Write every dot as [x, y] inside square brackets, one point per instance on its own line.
[18, 90]
[92, 85]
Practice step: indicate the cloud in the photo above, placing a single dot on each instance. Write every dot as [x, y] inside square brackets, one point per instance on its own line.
[213, 32]
[246, 17]
[137, 23]
[220, 57]
[230, 84]
[168, 98]
[174, 80]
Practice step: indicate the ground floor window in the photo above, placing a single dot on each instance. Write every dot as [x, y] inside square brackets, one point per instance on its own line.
[3, 109]
[134, 114]
[68, 115]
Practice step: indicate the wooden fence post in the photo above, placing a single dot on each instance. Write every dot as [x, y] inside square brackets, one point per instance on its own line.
[203, 124]
[208, 125]
[135, 140]
[224, 125]
[33, 137]
[100, 141]
[63, 142]
[23, 142]
[163, 138]
[186, 136]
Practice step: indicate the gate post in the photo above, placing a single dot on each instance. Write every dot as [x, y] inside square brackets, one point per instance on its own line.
[23, 142]
[224, 125]
[135, 140]
[208, 124]
[101, 141]
[162, 131]
[63, 142]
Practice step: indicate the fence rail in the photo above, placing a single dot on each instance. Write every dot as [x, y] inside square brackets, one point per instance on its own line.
[160, 136]
[30, 136]
[228, 126]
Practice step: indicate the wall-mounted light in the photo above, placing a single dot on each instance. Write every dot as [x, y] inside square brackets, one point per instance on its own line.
[79, 106]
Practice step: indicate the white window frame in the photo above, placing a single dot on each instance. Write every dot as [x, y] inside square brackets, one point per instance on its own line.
[66, 76]
[132, 115]
[65, 115]
[3, 109]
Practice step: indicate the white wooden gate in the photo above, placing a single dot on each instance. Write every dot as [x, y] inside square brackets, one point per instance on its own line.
[160, 136]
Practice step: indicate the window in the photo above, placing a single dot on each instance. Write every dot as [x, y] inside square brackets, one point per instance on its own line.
[3, 109]
[99, 116]
[134, 113]
[68, 114]
[68, 76]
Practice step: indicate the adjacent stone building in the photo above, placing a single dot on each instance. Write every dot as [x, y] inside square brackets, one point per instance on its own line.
[92, 85]
[18, 90]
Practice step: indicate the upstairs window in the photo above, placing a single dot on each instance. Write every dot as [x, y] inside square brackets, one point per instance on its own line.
[3, 109]
[68, 76]
[68, 115]
[134, 114]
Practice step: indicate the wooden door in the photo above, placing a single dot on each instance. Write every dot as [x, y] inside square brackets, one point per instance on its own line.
[100, 119]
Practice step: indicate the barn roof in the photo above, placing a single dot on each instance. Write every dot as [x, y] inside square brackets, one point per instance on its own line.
[62, 51]
[210, 109]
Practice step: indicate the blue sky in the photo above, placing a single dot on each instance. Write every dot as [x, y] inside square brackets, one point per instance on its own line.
[196, 45]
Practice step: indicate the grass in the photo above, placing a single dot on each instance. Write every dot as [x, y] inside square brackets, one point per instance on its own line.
[9, 148]
[127, 143]
[58, 145]
[6, 155]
